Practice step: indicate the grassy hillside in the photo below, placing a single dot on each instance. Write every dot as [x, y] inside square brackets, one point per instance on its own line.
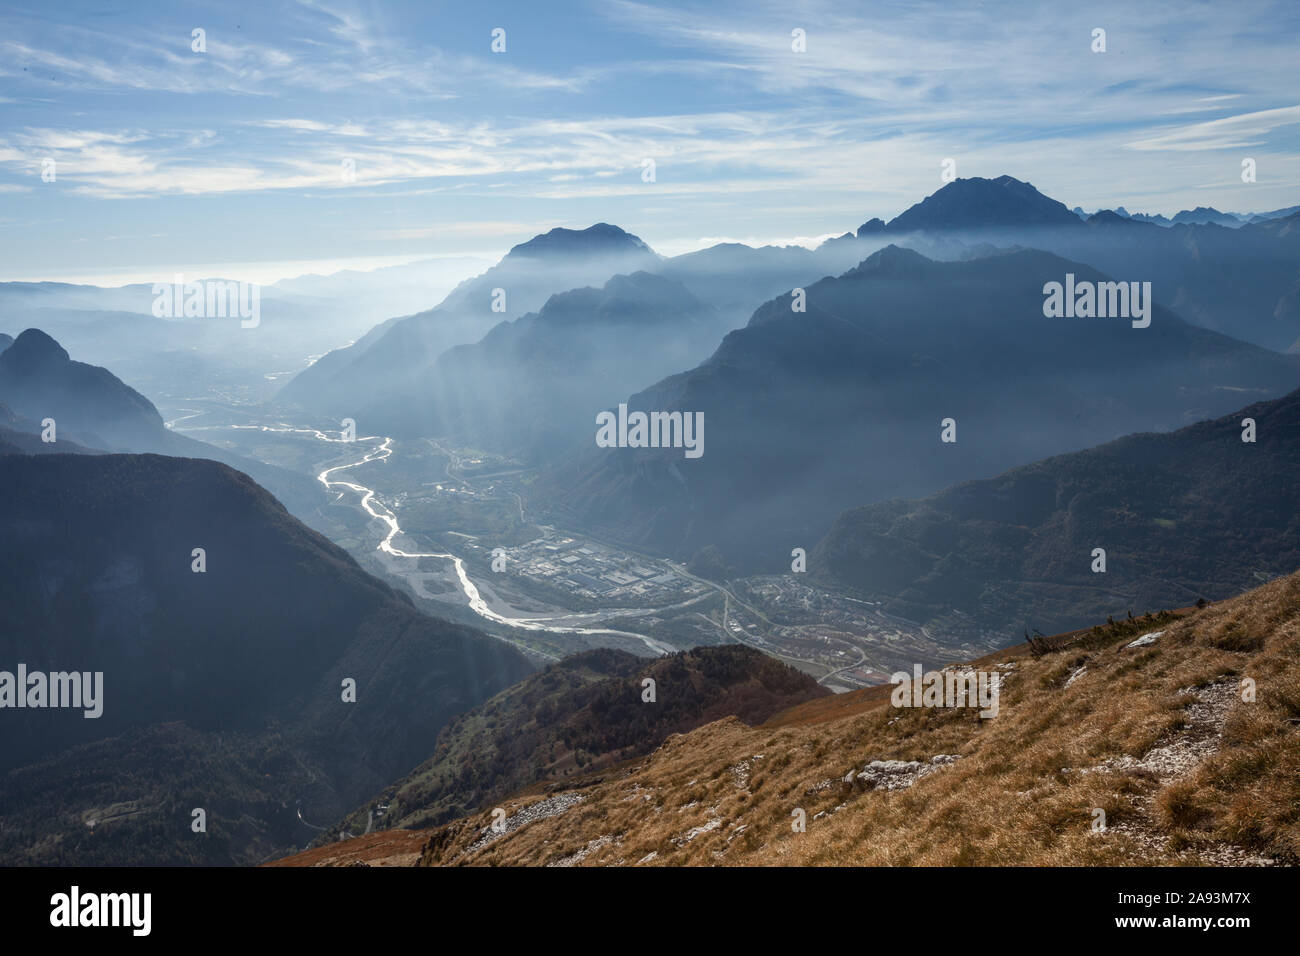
[580, 715]
[1156, 735]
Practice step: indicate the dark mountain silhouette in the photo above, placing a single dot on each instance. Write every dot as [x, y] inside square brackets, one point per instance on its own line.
[986, 203]
[602, 239]
[1195, 513]
[92, 407]
[221, 689]
[582, 715]
[808, 413]
[979, 204]
[1207, 266]
[38, 379]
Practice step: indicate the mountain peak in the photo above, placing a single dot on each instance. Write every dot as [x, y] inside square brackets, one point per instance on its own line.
[977, 203]
[1107, 217]
[871, 227]
[1203, 215]
[599, 238]
[641, 284]
[892, 260]
[39, 379]
[34, 349]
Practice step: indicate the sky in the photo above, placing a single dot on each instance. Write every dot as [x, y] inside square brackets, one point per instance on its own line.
[312, 136]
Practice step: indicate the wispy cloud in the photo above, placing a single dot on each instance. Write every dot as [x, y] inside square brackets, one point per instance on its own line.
[337, 122]
[1229, 132]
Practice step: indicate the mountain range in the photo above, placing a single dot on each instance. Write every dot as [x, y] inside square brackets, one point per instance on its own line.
[166, 357]
[1199, 216]
[811, 412]
[1239, 281]
[392, 355]
[1194, 514]
[533, 385]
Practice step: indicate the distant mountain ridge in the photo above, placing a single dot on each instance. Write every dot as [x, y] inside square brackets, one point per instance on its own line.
[1201, 215]
[1237, 275]
[599, 239]
[1194, 513]
[533, 386]
[395, 353]
[1241, 283]
[381, 372]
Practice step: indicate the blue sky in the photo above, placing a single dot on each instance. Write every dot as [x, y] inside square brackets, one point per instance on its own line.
[231, 160]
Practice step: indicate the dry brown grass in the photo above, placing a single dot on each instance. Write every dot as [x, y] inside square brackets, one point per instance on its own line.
[386, 848]
[1024, 791]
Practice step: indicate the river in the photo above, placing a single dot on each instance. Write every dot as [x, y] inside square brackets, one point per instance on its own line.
[376, 509]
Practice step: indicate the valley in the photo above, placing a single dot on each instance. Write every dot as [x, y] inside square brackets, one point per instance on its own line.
[431, 518]
[356, 508]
